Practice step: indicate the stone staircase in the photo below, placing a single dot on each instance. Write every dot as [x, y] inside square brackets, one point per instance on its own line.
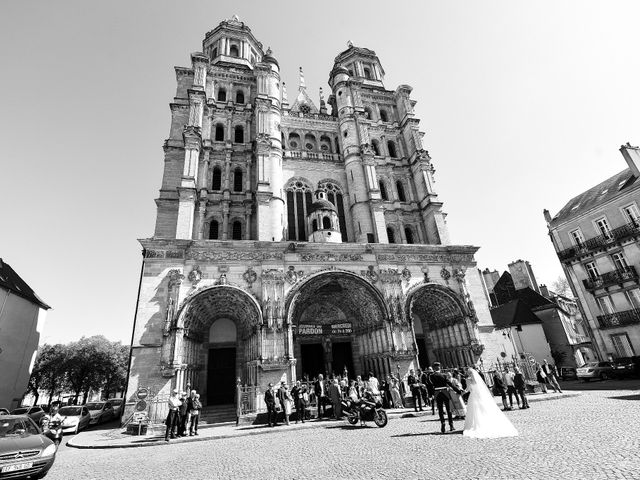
[218, 415]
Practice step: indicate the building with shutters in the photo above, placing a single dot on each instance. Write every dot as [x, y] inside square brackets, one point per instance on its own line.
[297, 236]
[596, 237]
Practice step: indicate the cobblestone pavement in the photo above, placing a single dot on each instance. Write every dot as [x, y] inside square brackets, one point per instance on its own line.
[594, 435]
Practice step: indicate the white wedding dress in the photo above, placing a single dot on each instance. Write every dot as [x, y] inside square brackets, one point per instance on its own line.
[484, 418]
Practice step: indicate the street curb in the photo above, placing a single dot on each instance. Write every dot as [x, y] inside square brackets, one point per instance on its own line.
[265, 430]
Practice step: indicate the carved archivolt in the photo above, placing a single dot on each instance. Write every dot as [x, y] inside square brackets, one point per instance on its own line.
[436, 306]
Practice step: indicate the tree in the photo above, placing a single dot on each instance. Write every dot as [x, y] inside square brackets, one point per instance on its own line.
[115, 372]
[48, 370]
[561, 286]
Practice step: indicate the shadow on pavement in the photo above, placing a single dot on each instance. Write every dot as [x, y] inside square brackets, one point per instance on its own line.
[457, 432]
[627, 397]
[110, 425]
[612, 384]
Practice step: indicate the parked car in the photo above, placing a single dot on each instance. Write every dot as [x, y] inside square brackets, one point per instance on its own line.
[24, 451]
[100, 412]
[4, 411]
[35, 413]
[118, 406]
[77, 418]
[568, 373]
[626, 367]
[601, 370]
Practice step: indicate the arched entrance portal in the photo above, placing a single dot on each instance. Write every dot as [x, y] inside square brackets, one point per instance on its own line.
[339, 322]
[444, 331]
[219, 341]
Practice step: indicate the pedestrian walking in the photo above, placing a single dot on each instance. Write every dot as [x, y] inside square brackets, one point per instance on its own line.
[541, 377]
[552, 375]
[458, 408]
[520, 386]
[442, 386]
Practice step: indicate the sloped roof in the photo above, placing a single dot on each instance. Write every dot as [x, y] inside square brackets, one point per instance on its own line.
[533, 299]
[596, 195]
[11, 281]
[515, 312]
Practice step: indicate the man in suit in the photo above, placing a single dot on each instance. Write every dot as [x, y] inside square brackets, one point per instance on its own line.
[335, 394]
[414, 385]
[270, 402]
[441, 386]
[424, 381]
[321, 395]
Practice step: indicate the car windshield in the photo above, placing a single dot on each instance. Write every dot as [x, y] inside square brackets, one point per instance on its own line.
[69, 411]
[11, 427]
[94, 405]
[20, 411]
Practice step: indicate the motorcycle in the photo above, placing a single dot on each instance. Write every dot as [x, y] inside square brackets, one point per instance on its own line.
[53, 431]
[366, 410]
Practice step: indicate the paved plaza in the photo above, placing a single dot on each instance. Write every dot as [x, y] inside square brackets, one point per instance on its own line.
[592, 435]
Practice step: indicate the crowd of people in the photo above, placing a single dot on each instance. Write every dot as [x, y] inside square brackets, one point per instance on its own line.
[184, 412]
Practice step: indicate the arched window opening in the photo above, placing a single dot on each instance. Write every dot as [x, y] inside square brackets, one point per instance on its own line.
[400, 188]
[383, 115]
[325, 144]
[219, 133]
[299, 199]
[408, 233]
[236, 230]
[214, 233]
[294, 140]
[216, 183]
[367, 73]
[233, 51]
[390, 235]
[239, 134]
[310, 142]
[337, 144]
[240, 97]
[326, 223]
[314, 225]
[237, 180]
[368, 113]
[222, 95]
[392, 149]
[376, 147]
[383, 191]
[214, 53]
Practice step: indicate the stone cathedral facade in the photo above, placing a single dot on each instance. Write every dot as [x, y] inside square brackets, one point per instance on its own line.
[295, 238]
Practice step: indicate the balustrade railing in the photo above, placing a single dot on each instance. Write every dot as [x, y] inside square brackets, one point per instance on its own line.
[611, 278]
[619, 319]
[600, 241]
[328, 157]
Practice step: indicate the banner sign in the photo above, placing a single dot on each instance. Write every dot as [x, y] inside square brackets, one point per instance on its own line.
[317, 330]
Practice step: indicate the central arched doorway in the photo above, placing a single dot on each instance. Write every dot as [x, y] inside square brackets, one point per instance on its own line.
[219, 341]
[339, 321]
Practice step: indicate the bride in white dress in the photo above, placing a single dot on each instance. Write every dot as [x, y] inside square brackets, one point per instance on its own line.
[484, 417]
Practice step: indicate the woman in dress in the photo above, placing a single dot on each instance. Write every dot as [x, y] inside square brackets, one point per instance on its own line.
[484, 417]
[458, 408]
[395, 392]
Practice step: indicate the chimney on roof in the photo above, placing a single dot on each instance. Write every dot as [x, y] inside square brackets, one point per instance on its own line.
[547, 216]
[522, 275]
[544, 291]
[632, 156]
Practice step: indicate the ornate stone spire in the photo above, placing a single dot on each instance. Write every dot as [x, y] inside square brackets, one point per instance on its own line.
[285, 100]
[302, 85]
[323, 104]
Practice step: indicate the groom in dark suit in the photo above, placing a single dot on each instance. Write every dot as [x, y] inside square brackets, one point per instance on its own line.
[441, 386]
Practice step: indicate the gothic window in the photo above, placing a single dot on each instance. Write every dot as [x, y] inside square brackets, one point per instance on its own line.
[219, 133]
[392, 149]
[335, 196]
[233, 51]
[216, 183]
[392, 238]
[383, 115]
[383, 191]
[376, 147]
[214, 230]
[314, 225]
[299, 199]
[294, 140]
[326, 223]
[408, 233]
[222, 95]
[240, 97]
[236, 230]
[237, 180]
[239, 134]
[400, 189]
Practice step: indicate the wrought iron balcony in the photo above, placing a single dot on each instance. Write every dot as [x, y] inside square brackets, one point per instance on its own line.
[617, 277]
[619, 319]
[600, 242]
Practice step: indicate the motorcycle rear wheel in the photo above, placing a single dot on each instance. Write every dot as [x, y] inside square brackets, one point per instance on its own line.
[353, 420]
[380, 418]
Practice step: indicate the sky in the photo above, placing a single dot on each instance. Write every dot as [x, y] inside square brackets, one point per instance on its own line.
[524, 105]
